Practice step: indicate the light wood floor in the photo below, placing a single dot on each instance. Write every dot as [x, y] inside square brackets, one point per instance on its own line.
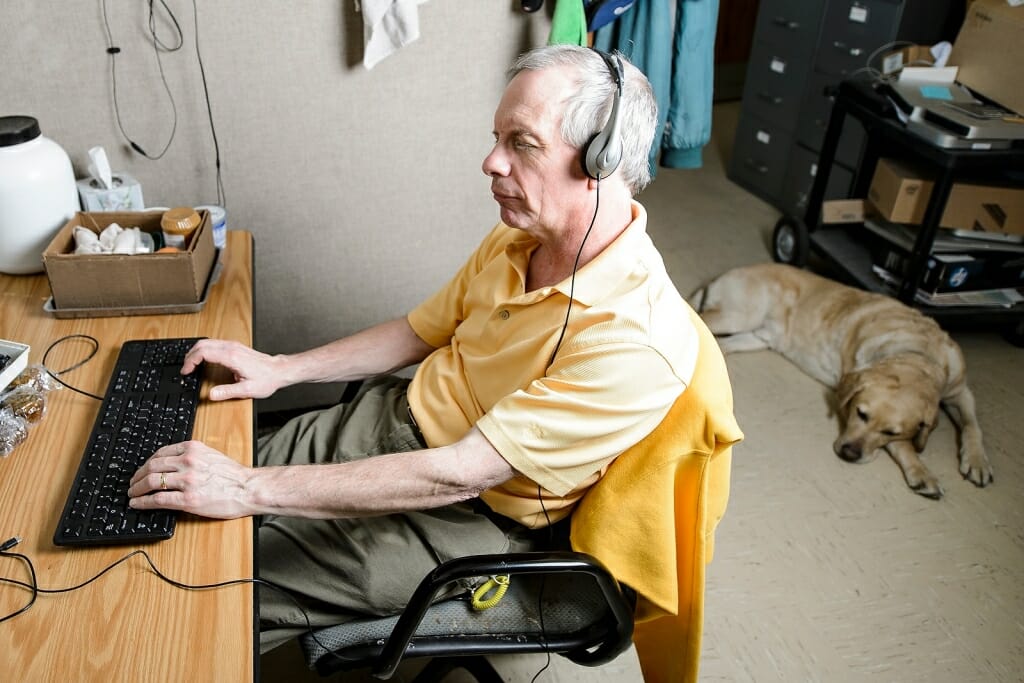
[826, 571]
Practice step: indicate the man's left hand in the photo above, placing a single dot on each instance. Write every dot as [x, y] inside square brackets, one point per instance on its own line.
[191, 477]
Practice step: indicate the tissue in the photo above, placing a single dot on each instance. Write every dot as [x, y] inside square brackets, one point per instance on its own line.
[113, 240]
[106, 191]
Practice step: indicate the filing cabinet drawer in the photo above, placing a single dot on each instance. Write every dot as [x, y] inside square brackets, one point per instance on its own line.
[800, 172]
[790, 22]
[852, 30]
[759, 156]
[814, 117]
[775, 84]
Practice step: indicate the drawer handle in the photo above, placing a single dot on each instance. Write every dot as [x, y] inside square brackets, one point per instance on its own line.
[770, 99]
[760, 168]
[786, 23]
[852, 51]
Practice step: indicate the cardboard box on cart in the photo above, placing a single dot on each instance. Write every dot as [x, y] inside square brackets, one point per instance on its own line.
[114, 281]
[989, 50]
[900, 192]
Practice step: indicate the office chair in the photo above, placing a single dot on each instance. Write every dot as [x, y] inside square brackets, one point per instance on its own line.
[630, 571]
[592, 627]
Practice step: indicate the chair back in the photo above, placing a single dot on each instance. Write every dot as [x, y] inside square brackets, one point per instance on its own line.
[651, 518]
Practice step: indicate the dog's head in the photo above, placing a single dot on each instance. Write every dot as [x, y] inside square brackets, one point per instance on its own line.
[879, 405]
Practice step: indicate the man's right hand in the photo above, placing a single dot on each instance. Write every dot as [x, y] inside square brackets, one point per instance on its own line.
[257, 375]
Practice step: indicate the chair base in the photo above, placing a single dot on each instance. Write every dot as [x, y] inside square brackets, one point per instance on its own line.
[477, 666]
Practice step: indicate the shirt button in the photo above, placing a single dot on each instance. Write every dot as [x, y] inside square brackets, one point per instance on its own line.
[504, 314]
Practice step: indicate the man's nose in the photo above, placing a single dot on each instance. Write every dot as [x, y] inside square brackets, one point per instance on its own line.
[495, 163]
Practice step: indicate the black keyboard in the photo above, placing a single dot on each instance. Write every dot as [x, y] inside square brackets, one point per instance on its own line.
[148, 404]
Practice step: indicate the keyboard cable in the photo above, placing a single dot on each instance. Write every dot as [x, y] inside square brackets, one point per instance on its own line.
[54, 374]
[33, 585]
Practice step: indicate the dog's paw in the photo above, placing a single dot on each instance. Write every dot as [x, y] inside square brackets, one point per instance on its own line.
[976, 469]
[924, 483]
[928, 489]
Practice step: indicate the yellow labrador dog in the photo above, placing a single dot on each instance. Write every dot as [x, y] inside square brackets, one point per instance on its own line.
[890, 365]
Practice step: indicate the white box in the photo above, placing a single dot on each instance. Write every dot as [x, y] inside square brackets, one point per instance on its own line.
[19, 361]
[125, 195]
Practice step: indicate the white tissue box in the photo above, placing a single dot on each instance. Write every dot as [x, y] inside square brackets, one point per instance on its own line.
[126, 195]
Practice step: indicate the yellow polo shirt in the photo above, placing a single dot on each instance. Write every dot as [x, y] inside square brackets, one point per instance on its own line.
[629, 351]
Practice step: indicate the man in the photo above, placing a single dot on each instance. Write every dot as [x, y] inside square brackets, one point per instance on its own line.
[521, 399]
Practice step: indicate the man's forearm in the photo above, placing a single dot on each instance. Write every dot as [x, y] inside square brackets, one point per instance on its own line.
[379, 485]
[374, 351]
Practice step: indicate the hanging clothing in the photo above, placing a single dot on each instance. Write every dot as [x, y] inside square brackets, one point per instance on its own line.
[388, 25]
[677, 55]
[568, 24]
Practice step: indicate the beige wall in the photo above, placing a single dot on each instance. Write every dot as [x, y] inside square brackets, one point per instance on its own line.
[363, 188]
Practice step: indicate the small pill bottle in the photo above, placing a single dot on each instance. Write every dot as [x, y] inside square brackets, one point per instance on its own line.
[219, 222]
[178, 225]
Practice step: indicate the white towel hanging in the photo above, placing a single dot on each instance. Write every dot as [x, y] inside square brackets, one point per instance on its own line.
[387, 26]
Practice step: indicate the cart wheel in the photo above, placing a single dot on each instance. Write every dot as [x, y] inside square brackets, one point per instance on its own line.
[1014, 333]
[790, 242]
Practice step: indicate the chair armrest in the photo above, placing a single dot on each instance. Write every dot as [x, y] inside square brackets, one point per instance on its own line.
[512, 563]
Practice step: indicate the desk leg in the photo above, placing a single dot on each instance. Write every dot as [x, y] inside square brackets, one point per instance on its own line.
[926, 236]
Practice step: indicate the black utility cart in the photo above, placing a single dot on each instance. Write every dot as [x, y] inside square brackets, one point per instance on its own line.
[845, 248]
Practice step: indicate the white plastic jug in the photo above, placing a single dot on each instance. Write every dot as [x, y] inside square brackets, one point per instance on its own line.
[37, 193]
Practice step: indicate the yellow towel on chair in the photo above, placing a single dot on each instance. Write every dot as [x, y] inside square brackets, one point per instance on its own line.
[651, 518]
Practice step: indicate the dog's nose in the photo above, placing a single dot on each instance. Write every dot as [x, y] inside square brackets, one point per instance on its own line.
[850, 452]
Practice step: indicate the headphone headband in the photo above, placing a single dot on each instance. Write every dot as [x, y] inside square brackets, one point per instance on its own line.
[603, 153]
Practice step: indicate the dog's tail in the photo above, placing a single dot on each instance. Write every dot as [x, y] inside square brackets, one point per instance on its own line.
[699, 297]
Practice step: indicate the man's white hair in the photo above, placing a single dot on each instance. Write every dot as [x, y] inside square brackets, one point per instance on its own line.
[587, 110]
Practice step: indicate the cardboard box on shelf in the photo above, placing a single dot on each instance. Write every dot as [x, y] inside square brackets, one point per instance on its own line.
[900, 193]
[112, 281]
[911, 55]
[845, 211]
[998, 210]
[989, 50]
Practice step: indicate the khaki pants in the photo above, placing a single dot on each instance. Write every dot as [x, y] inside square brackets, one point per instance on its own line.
[342, 569]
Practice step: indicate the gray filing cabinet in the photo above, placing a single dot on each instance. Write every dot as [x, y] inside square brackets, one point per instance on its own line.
[800, 48]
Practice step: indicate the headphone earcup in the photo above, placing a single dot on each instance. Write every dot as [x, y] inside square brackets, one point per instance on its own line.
[602, 154]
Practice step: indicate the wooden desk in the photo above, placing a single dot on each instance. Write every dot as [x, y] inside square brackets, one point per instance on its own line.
[129, 625]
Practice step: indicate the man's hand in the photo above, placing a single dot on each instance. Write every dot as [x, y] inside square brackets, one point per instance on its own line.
[192, 477]
[257, 375]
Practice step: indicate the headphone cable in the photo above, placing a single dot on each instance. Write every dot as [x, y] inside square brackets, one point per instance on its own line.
[575, 265]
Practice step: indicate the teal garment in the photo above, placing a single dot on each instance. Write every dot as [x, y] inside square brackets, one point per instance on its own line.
[568, 24]
[678, 59]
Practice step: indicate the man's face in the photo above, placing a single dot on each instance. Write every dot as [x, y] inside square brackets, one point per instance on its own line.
[536, 177]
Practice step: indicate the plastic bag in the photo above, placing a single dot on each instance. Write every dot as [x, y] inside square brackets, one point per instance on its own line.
[13, 430]
[23, 404]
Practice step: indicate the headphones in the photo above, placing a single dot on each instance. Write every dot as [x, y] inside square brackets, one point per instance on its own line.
[603, 153]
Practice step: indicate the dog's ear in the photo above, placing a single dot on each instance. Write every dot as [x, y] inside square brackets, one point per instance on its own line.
[924, 430]
[849, 385]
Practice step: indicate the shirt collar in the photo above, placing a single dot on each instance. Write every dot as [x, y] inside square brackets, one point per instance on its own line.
[604, 272]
